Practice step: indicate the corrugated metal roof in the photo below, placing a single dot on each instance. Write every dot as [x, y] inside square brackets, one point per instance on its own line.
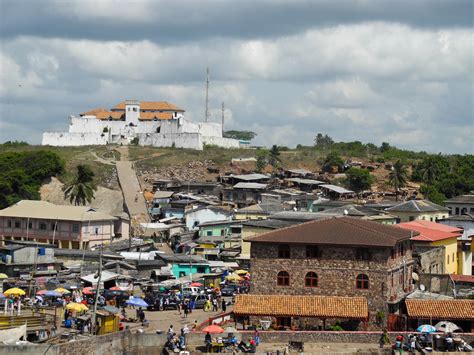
[335, 188]
[250, 177]
[47, 210]
[417, 206]
[250, 185]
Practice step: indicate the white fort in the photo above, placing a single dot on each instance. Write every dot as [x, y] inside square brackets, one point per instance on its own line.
[157, 124]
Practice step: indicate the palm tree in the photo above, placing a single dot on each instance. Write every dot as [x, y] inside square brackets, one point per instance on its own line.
[398, 177]
[429, 171]
[80, 189]
[274, 159]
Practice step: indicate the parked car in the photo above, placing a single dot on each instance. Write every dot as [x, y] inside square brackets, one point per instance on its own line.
[200, 301]
[229, 290]
[155, 303]
[191, 291]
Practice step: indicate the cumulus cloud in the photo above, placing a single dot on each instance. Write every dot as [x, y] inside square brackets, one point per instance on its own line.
[372, 75]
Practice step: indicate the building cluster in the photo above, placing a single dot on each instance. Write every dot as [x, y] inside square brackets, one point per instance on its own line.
[318, 257]
[157, 124]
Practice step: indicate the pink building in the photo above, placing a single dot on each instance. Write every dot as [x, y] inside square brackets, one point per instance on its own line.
[71, 227]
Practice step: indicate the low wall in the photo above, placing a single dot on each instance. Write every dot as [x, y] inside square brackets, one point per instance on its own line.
[136, 343]
[179, 140]
[221, 142]
[66, 139]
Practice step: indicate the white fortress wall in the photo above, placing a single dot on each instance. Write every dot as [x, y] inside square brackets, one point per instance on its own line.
[65, 139]
[179, 140]
[221, 142]
[85, 124]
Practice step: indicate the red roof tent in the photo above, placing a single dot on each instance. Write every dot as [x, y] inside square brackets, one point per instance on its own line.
[431, 231]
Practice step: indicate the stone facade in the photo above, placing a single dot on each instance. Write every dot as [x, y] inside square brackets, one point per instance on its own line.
[390, 278]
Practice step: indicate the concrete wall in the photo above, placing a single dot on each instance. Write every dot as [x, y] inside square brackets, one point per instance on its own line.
[179, 140]
[204, 215]
[64, 139]
[221, 142]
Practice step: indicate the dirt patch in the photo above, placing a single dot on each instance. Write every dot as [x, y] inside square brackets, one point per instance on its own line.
[106, 200]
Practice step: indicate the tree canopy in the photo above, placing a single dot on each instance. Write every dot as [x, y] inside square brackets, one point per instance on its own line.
[80, 189]
[241, 135]
[359, 179]
[22, 173]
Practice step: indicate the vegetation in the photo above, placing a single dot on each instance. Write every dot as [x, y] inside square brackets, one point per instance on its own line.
[274, 158]
[22, 173]
[81, 189]
[262, 160]
[241, 135]
[358, 179]
[135, 141]
[332, 162]
[398, 177]
[323, 141]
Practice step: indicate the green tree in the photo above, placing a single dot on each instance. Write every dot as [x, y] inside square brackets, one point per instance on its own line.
[397, 178]
[359, 179]
[384, 147]
[332, 161]
[81, 188]
[274, 158]
[242, 135]
[323, 141]
[262, 160]
[431, 193]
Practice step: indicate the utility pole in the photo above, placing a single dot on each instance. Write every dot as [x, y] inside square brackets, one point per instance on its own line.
[223, 118]
[94, 328]
[207, 96]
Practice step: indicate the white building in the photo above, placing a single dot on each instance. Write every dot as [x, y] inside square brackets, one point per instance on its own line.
[157, 124]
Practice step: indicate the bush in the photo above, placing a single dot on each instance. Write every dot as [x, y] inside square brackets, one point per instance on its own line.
[135, 141]
[359, 179]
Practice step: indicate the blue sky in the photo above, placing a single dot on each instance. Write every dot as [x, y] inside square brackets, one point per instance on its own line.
[374, 71]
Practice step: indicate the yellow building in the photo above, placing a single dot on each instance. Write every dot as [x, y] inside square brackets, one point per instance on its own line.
[252, 212]
[418, 210]
[438, 235]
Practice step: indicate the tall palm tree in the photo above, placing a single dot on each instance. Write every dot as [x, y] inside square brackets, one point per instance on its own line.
[398, 177]
[274, 157]
[81, 188]
[429, 171]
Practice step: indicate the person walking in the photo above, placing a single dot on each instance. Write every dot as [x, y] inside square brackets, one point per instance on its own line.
[214, 305]
[224, 305]
[185, 310]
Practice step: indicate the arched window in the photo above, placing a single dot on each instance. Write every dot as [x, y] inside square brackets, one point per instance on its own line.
[283, 278]
[362, 281]
[311, 279]
[283, 251]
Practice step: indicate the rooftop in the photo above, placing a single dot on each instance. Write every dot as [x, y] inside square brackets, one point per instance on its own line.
[250, 177]
[344, 231]
[465, 199]
[269, 223]
[250, 185]
[431, 231]
[302, 306]
[337, 189]
[152, 106]
[417, 206]
[441, 309]
[47, 210]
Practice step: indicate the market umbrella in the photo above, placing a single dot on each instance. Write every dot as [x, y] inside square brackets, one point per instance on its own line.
[15, 291]
[196, 284]
[40, 298]
[115, 288]
[88, 291]
[41, 292]
[446, 327]
[2, 295]
[112, 309]
[233, 277]
[213, 329]
[62, 290]
[230, 330]
[78, 307]
[426, 328]
[52, 294]
[137, 301]
[241, 272]
[3, 276]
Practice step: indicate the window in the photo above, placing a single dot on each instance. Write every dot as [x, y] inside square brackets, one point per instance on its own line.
[75, 228]
[284, 251]
[128, 108]
[311, 279]
[411, 218]
[30, 225]
[362, 282]
[222, 232]
[363, 254]
[209, 233]
[17, 224]
[201, 269]
[41, 251]
[453, 258]
[97, 230]
[9, 223]
[42, 226]
[312, 252]
[134, 109]
[283, 279]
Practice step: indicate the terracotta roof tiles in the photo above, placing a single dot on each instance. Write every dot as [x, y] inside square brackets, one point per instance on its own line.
[302, 306]
[441, 309]
[156, 115]
[152, 105]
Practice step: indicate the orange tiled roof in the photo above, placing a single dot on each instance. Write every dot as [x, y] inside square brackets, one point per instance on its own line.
[301, 306]
[105, 115]
[93, 112]
[441, 309]
[157, 115]
[152, 105]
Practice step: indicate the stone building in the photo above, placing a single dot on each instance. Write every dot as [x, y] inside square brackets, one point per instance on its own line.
[339, 256]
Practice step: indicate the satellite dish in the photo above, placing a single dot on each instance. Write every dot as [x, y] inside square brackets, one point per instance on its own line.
[346, 212]
[422, 287]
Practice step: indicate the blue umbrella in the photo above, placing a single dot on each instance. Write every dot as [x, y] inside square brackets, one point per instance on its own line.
[138, 302]
[52, 294]
[426, 328]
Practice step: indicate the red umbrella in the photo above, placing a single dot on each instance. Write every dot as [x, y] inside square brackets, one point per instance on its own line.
[42, 292]
[213, 329]
[88, 291]
[196, 284]
[115, 288]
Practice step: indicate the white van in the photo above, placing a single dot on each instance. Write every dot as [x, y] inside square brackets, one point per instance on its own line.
[191, 291]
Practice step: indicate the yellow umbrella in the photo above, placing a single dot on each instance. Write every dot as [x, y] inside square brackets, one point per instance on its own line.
[15, 291]
[78, 307]
[3, 276]
[241, 272]
[62, 290]
[233, 277]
